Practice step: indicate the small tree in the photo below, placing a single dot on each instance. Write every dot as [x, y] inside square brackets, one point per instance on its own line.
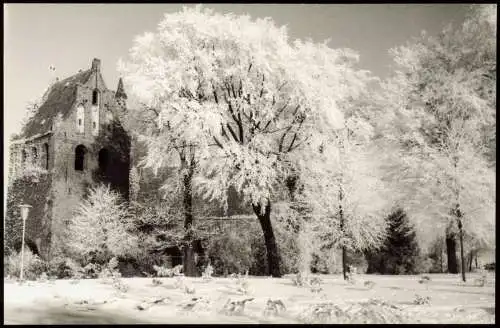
[400, 251]
[344, 187]
[101, 228]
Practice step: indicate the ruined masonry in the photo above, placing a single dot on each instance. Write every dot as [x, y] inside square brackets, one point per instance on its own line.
[75, 140]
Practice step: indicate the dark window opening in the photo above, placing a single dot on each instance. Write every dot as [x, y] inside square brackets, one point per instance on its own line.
[24, 156]
[103, 160]
[93, 125]
[79, 157]
[34, 151]
[79, 122]
[95, 97]
[46, 151]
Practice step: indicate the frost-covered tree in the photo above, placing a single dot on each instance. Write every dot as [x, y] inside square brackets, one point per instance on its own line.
[100, 228]
[347, 193]
[166, 149]
[442, 120]
[242, 97]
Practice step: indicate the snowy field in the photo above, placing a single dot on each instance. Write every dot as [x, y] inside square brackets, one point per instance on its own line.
[93, 302]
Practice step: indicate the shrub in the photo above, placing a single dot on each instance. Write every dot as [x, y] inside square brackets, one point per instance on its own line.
[424, 265]
[207, 273]
[421, 300]
[64, 267]
[490, 266]
[165, 271]
[34, 266]
[101, 228]
[110, 271]
[231, 251]
[92, 270]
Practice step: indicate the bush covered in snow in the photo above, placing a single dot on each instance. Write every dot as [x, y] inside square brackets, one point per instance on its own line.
[34, 266]
[101, 228]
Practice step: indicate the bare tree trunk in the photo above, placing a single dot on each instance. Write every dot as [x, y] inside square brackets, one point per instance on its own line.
[269, 238]
[344, 263]
[451, 251]
[189, 264]
[475, 258]
[471, 258]
[462, 258]
[441, 260]
[344, 250]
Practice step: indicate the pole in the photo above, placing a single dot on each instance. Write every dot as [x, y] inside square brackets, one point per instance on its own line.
[22, 250]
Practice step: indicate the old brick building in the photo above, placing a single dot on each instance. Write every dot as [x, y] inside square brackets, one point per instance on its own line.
[74, 140]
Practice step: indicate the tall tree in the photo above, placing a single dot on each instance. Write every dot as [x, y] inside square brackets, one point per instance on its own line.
[343, 184]
[443, 96]
[243, 96]
[173, 154]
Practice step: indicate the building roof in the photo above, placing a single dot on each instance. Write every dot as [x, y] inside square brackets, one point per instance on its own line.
[59, 100]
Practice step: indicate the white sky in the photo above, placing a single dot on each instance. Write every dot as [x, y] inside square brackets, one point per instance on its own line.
[68, 36]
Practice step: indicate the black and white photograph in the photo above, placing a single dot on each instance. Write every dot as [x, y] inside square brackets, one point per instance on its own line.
[249, 163]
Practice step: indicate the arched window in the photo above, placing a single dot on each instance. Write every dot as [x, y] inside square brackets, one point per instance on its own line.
[95, 97]
[34, 153]
[80, 157]
[103, 160]
[46, 155]
[24, 156]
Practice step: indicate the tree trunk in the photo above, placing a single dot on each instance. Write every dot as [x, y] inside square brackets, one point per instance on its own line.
[475, 258]
[344, 250]
[451, 253]
[189, 264]
[462, 257]
[441, 260]
[344, 263]
[271, 246]
[471, 258]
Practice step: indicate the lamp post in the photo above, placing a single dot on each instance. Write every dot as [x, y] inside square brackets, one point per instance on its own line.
[25, 208]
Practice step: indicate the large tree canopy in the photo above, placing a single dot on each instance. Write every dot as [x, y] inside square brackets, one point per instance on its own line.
[442, 120]
[242, 95]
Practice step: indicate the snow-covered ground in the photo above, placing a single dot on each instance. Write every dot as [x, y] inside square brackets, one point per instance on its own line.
[91, 301]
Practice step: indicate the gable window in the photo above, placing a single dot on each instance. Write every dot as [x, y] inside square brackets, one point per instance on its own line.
[80, 157]
[80, 119]
[95, 97]
[34, 157]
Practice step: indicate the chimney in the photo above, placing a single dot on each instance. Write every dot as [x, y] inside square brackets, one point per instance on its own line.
[96, 65]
